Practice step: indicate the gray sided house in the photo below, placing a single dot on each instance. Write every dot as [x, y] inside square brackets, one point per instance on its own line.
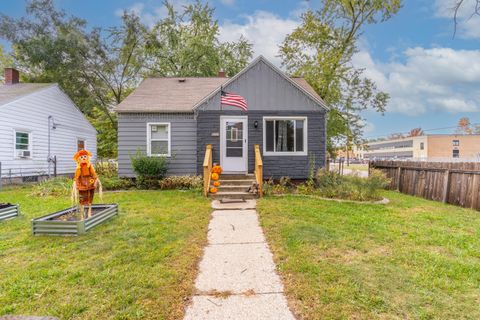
[179, 117]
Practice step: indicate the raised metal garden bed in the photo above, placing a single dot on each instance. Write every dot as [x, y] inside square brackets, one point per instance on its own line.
[66, 223]
[8, 211]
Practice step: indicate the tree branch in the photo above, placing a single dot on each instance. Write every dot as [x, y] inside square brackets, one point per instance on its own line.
[456, 10]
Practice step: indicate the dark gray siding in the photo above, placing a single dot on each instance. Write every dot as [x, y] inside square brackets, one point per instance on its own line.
[132, 136]
[265, 89]
[295, 167]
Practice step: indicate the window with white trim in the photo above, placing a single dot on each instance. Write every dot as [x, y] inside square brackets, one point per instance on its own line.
[23, 144]
[158, 139]
[285, 135]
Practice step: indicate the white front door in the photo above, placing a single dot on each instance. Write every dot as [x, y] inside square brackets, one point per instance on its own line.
[233, 143]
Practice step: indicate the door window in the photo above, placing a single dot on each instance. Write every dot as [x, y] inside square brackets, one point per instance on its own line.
[234, 139]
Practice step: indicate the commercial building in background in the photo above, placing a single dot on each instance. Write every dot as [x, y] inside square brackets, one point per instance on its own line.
[435, 147]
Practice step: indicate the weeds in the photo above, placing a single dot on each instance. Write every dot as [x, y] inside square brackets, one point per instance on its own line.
[333, 185]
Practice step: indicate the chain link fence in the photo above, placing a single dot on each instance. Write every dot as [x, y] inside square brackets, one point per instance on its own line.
[15, 176]
[12, 176]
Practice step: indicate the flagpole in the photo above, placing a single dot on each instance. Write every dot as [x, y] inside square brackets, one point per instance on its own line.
[221, 92]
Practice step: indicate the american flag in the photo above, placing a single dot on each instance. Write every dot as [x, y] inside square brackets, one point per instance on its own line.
[234, 100]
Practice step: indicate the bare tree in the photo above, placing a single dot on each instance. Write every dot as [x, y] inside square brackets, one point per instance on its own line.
[458, 5]
[464, 126]
[415, 132]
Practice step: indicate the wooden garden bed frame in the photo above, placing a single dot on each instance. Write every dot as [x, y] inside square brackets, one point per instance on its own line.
[47, 226]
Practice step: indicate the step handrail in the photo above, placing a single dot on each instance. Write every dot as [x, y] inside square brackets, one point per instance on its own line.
[259, 170]
[207, 169]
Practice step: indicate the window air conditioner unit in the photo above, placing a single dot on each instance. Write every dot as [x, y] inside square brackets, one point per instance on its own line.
[25, 154]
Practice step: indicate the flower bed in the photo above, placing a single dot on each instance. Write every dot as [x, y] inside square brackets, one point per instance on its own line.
[66, 222]
[329, 184]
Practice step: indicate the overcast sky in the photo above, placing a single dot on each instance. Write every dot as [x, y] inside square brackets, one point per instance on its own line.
[432, 78]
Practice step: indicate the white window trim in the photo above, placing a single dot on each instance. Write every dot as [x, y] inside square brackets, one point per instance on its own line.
[30, 144]
[149, 139]
[286, 153]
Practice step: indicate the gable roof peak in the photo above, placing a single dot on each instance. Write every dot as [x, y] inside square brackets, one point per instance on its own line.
[310, 93]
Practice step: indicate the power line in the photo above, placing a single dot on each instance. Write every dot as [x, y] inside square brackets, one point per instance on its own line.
[426, 130]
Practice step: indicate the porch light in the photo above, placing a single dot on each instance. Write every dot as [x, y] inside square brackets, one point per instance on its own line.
[255, 124]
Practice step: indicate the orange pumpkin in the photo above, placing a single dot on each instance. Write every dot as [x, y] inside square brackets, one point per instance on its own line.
[217, 169]
[213, 190]
[214, 176]
[216, 184]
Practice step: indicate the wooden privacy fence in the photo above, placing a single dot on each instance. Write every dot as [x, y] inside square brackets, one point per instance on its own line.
[457, 183]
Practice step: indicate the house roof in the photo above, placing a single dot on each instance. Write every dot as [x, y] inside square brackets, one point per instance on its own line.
[169, 94]
[177, 94]
[304, 84]
[11, 92]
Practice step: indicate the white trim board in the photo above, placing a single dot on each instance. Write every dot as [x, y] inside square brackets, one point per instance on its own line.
[30, 144]
[286, 153]
[149, 137]
[245, 142]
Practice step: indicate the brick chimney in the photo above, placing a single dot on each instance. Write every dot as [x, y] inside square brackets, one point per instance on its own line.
[12, 76]
[221, 74]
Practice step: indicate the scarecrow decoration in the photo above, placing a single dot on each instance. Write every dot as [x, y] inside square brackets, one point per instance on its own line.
[85, 182]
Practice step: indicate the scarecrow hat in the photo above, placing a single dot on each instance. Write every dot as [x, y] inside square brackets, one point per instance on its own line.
[81, 153]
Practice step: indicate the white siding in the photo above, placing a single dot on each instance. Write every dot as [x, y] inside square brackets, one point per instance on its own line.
[31, 113]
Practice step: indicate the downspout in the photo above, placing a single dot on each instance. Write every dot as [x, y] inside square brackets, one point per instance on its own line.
[49, 155]
[51, 125]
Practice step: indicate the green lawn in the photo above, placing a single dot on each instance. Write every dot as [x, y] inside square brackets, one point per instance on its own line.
[410, 259]
[139, 265]
[353, 166]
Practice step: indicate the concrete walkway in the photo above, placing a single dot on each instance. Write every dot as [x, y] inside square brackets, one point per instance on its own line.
[237, 278]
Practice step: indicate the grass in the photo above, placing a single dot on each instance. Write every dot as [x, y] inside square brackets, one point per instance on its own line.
[139, 265]
[410, 259]
[357, 167]
[353, 166]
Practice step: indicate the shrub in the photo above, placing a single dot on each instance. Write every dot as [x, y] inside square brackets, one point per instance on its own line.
[106, 168]
[327, 179]
[333, 185]
[149, 170]
[115, 183]
[60, 186]
[376, 181]
[181, 182]
[283, 186]
[306, 188]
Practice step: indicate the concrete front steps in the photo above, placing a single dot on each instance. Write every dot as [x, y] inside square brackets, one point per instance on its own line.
[234, 187]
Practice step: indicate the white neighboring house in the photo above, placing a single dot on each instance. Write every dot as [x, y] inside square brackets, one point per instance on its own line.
[39, 124]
